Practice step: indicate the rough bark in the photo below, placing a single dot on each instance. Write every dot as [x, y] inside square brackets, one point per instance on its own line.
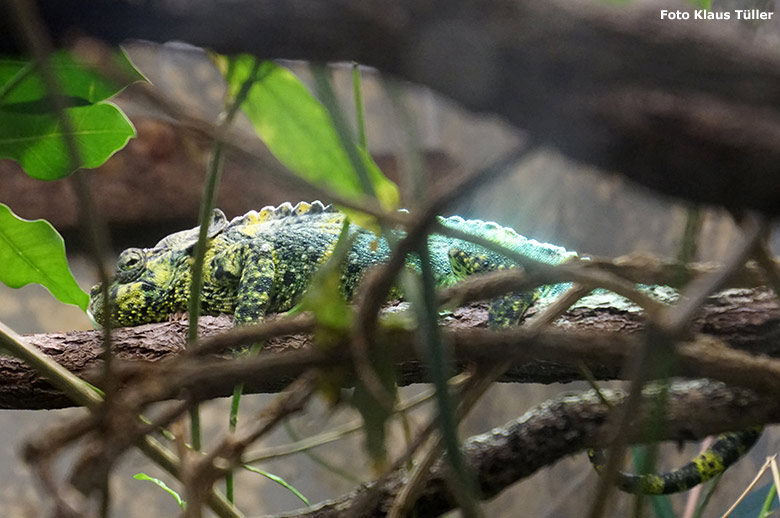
[688, 108]
[560, 427]
[746, 319]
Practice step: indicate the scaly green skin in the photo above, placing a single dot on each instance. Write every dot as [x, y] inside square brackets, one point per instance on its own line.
[263, 262]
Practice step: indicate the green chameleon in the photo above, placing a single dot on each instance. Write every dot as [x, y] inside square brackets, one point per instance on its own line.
[262, 262]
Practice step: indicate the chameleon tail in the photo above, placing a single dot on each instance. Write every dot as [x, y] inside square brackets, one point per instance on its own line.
[727, 449]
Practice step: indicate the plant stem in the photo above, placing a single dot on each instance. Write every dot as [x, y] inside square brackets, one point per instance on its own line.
[440, 367]
[75, 388]
[359, 111]
[770, 497]
[213, 175]
[238, 390]
[328, 96]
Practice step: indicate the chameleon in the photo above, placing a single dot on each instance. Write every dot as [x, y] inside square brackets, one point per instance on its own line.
[263, 262]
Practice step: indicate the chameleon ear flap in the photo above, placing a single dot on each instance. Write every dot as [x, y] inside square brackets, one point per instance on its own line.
[186, 239]
[218, 223]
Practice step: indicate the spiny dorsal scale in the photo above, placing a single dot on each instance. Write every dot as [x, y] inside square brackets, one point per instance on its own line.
[286, 210]
[507, 237]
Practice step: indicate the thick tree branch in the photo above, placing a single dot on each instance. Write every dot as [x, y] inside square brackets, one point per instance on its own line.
[689, 108]
[745, 319]
[555, 429]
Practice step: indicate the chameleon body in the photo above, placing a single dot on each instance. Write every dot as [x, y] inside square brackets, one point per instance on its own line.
[262, 262]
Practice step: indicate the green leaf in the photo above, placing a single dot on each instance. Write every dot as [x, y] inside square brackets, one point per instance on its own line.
[35, 140]
[162, 485]
[375, 418]
[30, 132]
[279, 480]
[325, 299]
[324, 296]
[298, 130]
[33, 252]
[375, 413]
[77, 81]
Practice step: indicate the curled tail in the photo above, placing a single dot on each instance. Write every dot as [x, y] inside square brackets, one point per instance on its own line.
[727, 449]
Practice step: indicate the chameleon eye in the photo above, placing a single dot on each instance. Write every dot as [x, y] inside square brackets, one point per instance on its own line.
[130, 261]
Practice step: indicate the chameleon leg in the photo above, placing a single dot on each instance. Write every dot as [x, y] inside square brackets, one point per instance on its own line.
[254, 287]
[727, 449]
[505, 311]
[509, 310]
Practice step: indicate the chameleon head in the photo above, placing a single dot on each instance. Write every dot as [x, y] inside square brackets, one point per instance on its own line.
[152, 283]
[140, 291]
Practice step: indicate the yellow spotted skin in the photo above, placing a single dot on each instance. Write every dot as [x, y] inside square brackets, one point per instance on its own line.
[263, 262]
[727, 449]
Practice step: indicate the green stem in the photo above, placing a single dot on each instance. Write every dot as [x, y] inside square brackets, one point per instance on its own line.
[168, 461]
[196, 439]
[359, 110]
[689, 243]
[238, 391]
[328, 96]
[440, 371]
[233, 421]
[213, 175]
[75, 388]
[318, 459]
[415, 171]
[770, 497]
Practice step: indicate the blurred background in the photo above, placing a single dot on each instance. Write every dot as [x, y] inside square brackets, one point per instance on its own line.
[153, 187]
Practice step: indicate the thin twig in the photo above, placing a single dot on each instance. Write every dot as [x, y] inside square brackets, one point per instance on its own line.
[657, 354]
[227, 454]
[763, 256]
[168, 461]
[375, 288]
[750, 486]
[470, 396]
[332, 435]
[93, 227]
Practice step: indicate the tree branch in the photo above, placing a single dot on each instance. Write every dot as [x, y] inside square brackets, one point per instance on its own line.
[561, 427]
[746, 319]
